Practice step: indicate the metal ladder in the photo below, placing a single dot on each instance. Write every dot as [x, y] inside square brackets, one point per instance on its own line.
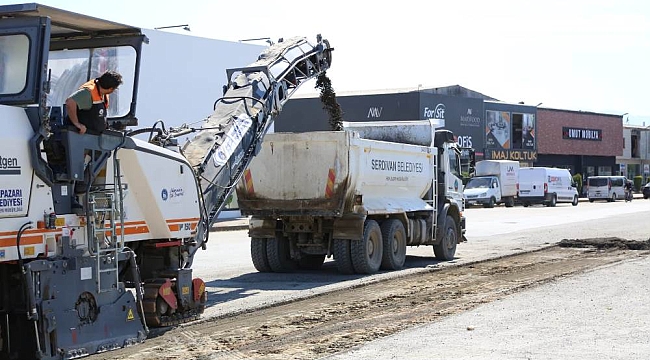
[107, 240]
[435, 180]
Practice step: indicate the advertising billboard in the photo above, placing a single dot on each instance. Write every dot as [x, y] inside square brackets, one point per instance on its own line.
[461, 115]
[510, 132]
[307, 114]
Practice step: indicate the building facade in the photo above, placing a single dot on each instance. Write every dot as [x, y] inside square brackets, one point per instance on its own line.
[583, 142]
[635, 160]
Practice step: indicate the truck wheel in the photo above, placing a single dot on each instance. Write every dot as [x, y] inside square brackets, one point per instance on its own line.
[258, 255]
[510, 202]
[343, 256]
[575, 201]
[278, 255]
[394, 244]
[553, 201]
[311, 262]
[446, 249]
[591, 200]
[367, 252]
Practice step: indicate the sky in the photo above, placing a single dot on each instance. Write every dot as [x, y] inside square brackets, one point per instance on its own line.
[573, 54]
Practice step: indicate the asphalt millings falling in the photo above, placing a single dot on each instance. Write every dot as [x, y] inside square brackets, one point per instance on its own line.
[328, 98]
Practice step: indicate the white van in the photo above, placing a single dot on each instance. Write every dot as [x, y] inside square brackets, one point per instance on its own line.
[548, 186]
[607, 188]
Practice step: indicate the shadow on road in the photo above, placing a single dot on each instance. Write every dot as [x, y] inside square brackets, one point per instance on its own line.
[250, 284]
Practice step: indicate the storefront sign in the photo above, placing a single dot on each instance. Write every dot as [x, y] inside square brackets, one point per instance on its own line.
[517, 155]
[582, 134]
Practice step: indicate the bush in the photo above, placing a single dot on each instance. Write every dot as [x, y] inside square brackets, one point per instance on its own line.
[577, 179]
[638, 182]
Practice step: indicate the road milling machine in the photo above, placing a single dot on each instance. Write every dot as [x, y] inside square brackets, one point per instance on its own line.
[77, 281]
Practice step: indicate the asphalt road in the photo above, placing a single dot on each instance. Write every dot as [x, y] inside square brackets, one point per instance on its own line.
[603, 314]
[235, 286]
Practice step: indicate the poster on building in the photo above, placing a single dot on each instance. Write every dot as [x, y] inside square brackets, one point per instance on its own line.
[528, 131]
[497, 130]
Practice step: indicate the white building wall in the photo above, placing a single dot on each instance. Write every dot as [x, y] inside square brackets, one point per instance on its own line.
[181, 76]
[641, 163]
[627, 141]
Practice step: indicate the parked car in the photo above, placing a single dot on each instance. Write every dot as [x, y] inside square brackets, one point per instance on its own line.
[646, 190]
[608, 188]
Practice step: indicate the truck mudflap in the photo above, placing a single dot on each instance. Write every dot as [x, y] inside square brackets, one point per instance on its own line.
[463, 229]
[261, 227]
[349, 227]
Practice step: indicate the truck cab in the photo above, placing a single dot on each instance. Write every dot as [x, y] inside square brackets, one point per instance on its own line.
[495, 183]
[45, 55]
[483, 190]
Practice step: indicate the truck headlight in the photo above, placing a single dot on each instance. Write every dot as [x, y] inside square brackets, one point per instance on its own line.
[484, 194]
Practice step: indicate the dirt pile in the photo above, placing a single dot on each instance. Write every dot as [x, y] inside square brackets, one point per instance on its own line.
[606, 243]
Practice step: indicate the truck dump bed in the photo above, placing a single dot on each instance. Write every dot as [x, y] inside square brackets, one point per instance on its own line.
[322, 173]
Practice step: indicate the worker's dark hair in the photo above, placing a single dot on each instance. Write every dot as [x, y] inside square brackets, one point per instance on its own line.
[110, 80]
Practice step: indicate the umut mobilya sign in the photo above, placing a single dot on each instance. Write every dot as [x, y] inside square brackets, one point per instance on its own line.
[582, 134]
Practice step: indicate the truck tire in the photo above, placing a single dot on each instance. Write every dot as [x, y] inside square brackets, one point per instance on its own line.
[394, 244]
[343, 256]
[553, 201]
[311, 262]
[278, 255]
[575, 200]
[510, 202]
[367, 252]
[446, 249]
[258, 255]
[490, 203]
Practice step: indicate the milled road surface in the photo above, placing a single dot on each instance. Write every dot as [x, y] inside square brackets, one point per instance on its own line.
[338, 321]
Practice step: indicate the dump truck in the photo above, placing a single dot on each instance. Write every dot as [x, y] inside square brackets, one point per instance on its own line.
[361, 195]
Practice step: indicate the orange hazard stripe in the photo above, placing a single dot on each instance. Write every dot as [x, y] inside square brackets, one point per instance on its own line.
[24, 240]
[329, 189]
[30, 231]
[177, 227]
[248, 181]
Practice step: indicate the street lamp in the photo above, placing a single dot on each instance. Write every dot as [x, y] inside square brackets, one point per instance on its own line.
[538, 104]
[267, 39]
[185, 27]
[628, 118]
